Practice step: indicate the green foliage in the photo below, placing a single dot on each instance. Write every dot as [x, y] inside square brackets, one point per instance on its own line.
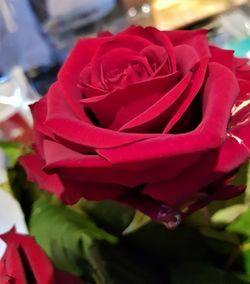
[25, 192]
[66, 236]
[202, 273]
[12, 152]
[225, 212]
[109, 243]
[110, 215]
[241, 225]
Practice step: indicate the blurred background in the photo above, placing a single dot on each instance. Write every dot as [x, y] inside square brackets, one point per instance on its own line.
[36, 36]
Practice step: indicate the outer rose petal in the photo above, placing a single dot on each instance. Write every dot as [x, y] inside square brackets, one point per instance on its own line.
[33, 165]
[79, 167]
[222, 56]
[64, 125]
[71, 69]
[208, 170]
[242, 68]
[197, 39]
[84, 135]
[68, 189]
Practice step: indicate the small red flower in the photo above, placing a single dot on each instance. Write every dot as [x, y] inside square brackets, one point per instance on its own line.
[24, 262]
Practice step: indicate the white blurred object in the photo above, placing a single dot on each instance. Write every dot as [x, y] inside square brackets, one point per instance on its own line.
[236, 23]
[69, 15]
[10, 210]
[10, 215]
[20, 42]
[69, 8]
[15, 95]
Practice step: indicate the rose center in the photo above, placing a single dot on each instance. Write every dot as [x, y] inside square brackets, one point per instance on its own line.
[130, 74]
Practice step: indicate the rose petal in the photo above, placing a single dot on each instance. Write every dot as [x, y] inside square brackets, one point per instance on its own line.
[64, 277]
[117, 108]
[197, 39]
[154, 116]
[157, 58]
[242, 68]
[80, 167]
[85, 135]
[241, 108]
[25, 247]
[116, 59]
[186, 57]
[13, 265]
[39, 112]
[69, 190]
[157, 38]
[62, 122]
[241, 63]
[57, 105]
[157, 210]
[219, 191]
[104, 33]
[69, 74]
[217, 104]
[74, 190]
[33, 165]
[222, 56]
[187, 98]
[211, 168]
[234, 152]
[208, 135]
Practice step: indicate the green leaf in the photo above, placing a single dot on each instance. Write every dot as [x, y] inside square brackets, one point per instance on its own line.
[245, 254]
[66, 236]
[202, 273]
[111, 216]
[229, 214]
[225, 216]
[180, 244]
[247, 192]
[124, 264]
[25, 192]
[223, 239]
[12, 152]
[241, 225]
[242, 175]
[138, 221]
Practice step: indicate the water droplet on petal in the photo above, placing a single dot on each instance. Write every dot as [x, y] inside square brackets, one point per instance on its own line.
[169, 216]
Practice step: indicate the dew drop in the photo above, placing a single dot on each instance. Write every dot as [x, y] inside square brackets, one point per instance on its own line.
[170, 217]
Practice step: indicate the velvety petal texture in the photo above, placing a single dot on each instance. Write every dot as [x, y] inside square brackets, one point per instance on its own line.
[157, 120]
[24, 262]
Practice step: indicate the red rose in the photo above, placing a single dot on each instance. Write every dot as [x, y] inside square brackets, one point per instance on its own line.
[24, 262]
[158, 120]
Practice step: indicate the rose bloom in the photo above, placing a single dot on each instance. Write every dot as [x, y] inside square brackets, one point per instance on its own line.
[157, 120]
[24, 262]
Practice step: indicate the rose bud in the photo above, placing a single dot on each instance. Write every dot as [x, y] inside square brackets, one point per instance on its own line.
[24, 262]
[157, 120]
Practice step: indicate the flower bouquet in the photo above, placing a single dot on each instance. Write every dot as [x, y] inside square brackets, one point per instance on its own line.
[139, 134]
